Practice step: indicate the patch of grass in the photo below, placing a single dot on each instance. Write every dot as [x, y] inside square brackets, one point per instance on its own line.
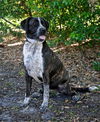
[71, 113]
[98, 54]
[53, 93]
[52, 43]
[17, 34]
[1, 39]
[50, 106]
[15, 108]
[98, 88]
[8, 84]
[96, 65]
[21, 72]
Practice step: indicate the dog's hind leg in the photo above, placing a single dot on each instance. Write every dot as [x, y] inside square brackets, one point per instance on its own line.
[28, 88]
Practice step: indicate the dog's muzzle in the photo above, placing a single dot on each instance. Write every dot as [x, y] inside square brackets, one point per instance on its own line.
[42, 33]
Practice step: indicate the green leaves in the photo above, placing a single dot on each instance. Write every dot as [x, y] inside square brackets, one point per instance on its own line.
[71, 19]
[96, 65]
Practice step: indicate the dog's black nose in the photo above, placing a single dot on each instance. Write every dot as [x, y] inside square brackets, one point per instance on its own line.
[42, 31]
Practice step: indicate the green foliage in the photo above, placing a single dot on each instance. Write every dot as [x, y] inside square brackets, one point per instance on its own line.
[6, 29]
[96, 65]
[71, 21]
[21, 72]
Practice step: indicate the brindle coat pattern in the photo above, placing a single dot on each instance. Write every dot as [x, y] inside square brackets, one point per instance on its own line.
[53, 72]
[54, 68]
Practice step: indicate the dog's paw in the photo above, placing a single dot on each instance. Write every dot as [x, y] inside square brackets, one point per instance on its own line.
[43, 107]
[77, 98]
[26, 101]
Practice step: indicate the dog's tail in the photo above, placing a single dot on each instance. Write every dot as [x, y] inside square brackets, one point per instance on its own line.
[86, 89]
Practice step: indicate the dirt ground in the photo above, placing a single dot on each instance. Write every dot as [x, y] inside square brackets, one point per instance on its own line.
[61, 108]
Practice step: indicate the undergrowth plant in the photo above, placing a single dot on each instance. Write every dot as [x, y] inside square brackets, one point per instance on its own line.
[96, 65]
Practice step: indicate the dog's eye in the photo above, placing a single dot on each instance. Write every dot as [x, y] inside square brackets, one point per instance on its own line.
[33, 22]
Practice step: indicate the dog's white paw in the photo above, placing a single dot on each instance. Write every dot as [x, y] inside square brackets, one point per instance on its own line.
[43, 107]
[26, 100]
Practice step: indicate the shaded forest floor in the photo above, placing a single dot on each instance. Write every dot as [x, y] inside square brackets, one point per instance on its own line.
[61, 109]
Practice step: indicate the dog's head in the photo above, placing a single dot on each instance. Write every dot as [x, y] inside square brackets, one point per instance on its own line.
[35, 28]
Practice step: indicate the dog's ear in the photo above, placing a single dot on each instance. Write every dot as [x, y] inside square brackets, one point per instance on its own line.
[24, 24]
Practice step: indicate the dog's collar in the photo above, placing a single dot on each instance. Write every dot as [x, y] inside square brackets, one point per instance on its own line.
[30, 40]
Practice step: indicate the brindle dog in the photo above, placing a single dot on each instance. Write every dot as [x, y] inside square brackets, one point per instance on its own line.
[41, 63]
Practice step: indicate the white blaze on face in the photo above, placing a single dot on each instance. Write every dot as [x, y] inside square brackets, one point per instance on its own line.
[43, 37]
[40, 24]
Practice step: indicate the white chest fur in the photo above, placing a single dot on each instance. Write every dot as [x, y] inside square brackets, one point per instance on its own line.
[33, 59]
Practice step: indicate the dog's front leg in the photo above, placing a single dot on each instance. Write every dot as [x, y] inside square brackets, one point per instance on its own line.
[28, 88]
[44, 104]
